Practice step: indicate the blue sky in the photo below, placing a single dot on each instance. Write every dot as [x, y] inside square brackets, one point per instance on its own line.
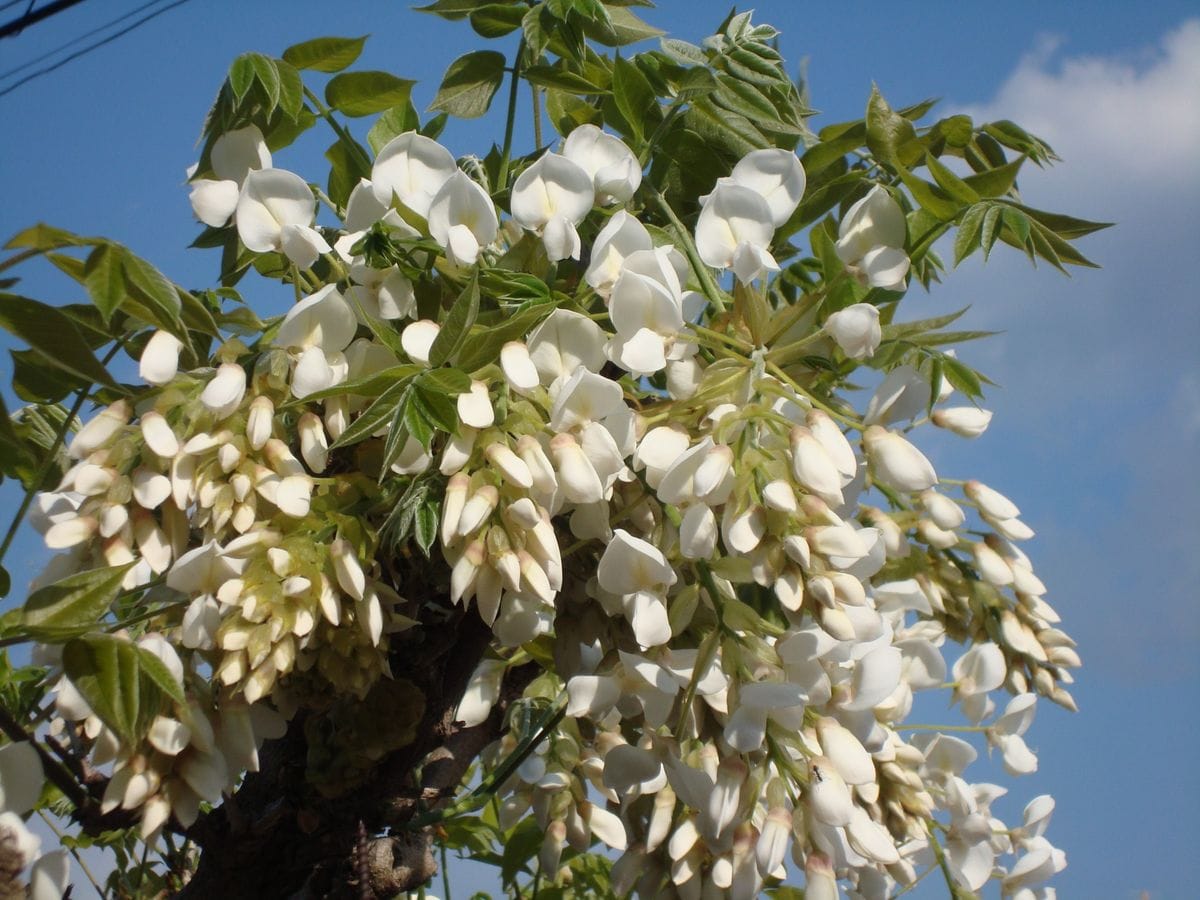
[1097, 428]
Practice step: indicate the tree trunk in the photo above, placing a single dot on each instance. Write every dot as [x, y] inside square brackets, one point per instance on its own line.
[278, 836]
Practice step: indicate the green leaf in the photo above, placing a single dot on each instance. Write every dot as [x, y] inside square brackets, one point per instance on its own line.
[155, 290]
[561, 78]
[425, 525]
[364, 93]
[156, 670]
[46, 237]
[392, 123]
[374, 416]
[634, 97]
[453, 9]
[241, 77]
[35, 380]
[628, 28]
[484, 344]
[104, 279]
[457, 323]
[48, 331]
[963, 377]
[268, 76]
[105, 670]
[326, 54]
[470, 83]
[949, 182]
[446, 381]
[996, 182]
[930, 196]
[346, 167]
[291, 89]
[5, 582]
[497, 19]
[75, 603]
[989, 231]
[966, 241]
[890, 136]
[1063, 226]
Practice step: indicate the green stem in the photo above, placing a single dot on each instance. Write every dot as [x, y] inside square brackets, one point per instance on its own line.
[445, 874]
[656, 135]
[51, 457]
[510, 119]
[74, 852]
[825, 407]
[537, 114]
[709, 286]
[339, 129]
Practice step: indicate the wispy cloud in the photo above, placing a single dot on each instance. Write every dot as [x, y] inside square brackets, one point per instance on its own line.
[1102, 371]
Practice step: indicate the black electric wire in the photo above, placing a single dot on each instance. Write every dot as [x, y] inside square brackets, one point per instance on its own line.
[75, 40]
[90, 47]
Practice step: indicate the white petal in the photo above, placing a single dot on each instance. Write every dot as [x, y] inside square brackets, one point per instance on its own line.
[414, 168]
[417, 339]
[270, 199]
[213, 202]
[237, 153]
[475, 406]
[160, 359]
[21, 777]
[302, 244]
[777, 176]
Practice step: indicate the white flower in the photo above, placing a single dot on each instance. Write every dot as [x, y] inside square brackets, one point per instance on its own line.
[614, 170]
[276, 211]
[413, 168]
[462, 219]
[647, 310]
[234, 155]
[21, 777]
[551, 197]
[735, 230]
[622, 236]
[160, 358]
[856, 330]
[871, 241]
[224, 393]
[775, 175]
[564, 342]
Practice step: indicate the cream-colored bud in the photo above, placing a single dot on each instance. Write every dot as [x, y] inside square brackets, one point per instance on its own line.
[944, 512]
[452, 506]
[991, 565]
[509, 465]
[314, 446]
[991, 502]
[580, 482]
[477, 509]
[965, 421]
[813, 467]
[465, 570]
[897, 463]
[540, 468]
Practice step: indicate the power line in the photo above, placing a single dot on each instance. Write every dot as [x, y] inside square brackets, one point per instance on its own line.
[71, 43]
[35, 15]
[88, 49]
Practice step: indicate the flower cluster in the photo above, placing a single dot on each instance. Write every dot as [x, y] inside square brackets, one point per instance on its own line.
[742, 580]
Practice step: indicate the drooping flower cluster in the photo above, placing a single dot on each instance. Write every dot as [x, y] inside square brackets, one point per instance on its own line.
[744, 581]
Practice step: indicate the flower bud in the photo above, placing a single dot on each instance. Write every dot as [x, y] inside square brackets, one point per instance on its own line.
[477, 509]
[314, 446]
[814, 468]
[965, 421]
[897, 463]
[991, 502]
[856, 330]
[509, 465]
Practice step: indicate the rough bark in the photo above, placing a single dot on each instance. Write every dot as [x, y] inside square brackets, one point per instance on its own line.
[279, 837]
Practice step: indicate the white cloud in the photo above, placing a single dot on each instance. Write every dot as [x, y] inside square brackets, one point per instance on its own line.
[1132, 117]
[1097, 428]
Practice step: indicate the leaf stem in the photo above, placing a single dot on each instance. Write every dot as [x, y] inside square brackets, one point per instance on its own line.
[339, 129]
[510, 119]
[709, 286]
[73, 851]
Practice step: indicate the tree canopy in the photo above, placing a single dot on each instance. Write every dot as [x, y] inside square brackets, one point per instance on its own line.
[573, 518]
